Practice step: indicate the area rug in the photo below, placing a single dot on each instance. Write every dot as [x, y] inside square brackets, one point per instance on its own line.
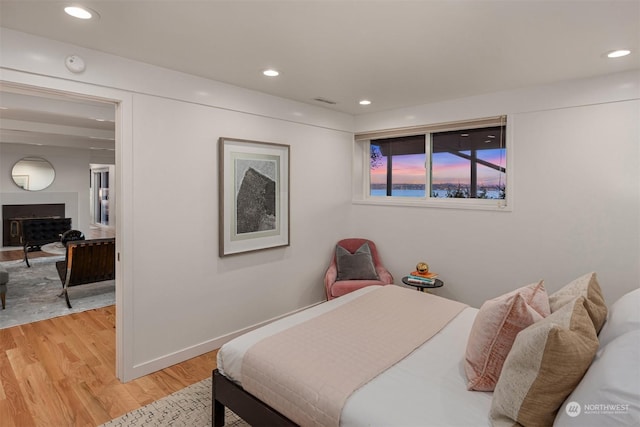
[33, 293]
[189, 407]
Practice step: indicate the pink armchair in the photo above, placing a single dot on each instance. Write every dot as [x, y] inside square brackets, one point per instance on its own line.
[335, 288]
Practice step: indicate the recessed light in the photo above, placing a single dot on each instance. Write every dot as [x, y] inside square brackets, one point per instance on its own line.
[81, 12]
[618, 53]
[464, 134]
[365, 102]
[271, 72]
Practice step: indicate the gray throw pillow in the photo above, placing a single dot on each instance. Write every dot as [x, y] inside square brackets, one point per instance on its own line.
[356, 266]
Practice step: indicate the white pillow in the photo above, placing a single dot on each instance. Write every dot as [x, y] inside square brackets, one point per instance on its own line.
[608, 393]
[624, 316]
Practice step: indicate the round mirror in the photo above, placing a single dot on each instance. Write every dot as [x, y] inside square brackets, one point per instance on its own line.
[33, 173]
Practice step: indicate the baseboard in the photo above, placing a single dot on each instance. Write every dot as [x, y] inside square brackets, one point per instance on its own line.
[160, 363]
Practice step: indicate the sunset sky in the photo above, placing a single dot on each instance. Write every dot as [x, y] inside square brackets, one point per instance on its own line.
[447, 168]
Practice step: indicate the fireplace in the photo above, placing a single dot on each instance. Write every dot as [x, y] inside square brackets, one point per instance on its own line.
[13, 214]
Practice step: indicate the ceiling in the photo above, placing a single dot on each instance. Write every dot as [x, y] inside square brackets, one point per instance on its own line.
[43, 118]
[394, 53]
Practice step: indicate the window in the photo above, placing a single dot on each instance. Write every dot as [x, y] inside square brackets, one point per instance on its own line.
[469, 164]
[464, 160]
[398, 166]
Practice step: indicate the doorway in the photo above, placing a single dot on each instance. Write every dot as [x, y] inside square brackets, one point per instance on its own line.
[78, 132]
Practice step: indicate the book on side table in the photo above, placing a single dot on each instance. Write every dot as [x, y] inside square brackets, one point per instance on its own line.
[422, 278]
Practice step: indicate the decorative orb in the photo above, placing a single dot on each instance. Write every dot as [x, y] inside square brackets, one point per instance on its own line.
[422, 267]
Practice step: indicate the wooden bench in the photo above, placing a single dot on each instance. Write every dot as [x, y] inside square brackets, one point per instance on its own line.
[87, 261]
[40, 231]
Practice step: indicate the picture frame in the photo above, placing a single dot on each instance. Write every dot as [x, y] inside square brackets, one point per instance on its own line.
[253, 195]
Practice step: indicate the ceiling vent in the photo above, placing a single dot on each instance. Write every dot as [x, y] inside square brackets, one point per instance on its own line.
[325, 100]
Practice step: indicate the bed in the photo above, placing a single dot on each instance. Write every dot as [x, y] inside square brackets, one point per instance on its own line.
[427, 387]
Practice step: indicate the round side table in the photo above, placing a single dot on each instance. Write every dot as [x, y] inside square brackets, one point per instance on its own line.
[55, 248]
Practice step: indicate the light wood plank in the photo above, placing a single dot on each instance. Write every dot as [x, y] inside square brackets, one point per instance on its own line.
[61, 371]
[13, 406]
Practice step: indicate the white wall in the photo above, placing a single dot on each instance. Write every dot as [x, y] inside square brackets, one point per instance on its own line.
[176, 298]
[70, 185]
[175, 217]
[576, 195]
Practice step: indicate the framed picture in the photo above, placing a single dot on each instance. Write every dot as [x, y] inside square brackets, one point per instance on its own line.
[253, 195]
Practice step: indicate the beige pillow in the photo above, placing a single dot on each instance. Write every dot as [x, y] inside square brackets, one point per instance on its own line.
[495, 328]
[586, 286]
[546, 362]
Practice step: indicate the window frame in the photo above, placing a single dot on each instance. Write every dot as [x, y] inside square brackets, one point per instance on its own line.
[362, 184]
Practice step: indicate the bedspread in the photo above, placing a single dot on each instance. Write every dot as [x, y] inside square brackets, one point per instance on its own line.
[307, 372]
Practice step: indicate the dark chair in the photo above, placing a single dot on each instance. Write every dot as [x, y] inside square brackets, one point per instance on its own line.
[40, 231]
[87, 261]
[354, 276]
[4, 279]
[71, 236]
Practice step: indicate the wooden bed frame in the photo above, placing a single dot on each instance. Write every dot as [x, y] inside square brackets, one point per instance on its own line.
[228, 394]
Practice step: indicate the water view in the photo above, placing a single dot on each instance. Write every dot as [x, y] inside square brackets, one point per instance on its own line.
[439, 191]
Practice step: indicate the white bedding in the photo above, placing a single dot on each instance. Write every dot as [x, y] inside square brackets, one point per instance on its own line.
[427, 388]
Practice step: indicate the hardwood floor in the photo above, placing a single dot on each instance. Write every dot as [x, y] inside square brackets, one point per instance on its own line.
[61, 372]
[16, 254]
[99, 232]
